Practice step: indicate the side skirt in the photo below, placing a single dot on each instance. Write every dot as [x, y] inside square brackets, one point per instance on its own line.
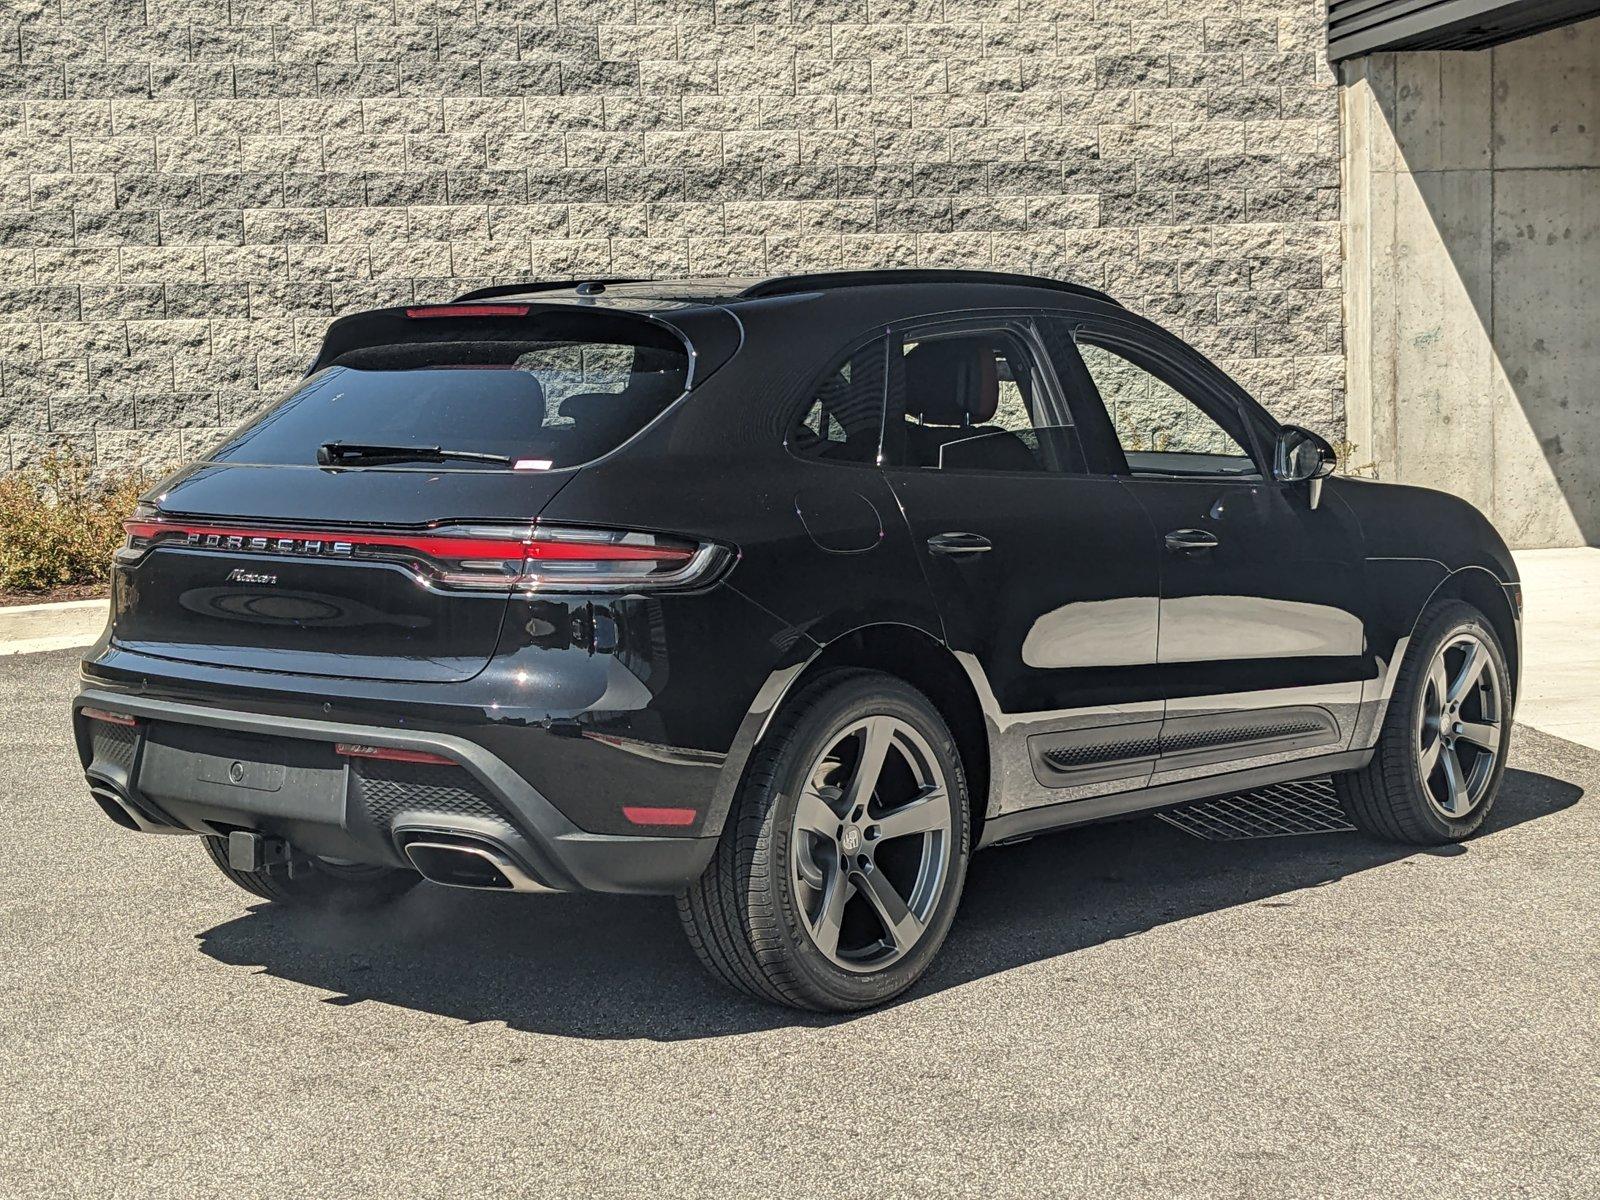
[1047, 818]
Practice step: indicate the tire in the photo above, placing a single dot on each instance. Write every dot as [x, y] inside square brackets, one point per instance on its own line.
[795, 894]
[1406, 793]
[317, 883]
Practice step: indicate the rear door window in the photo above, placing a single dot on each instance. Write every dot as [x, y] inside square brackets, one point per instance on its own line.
[970, 398]
[530, 399]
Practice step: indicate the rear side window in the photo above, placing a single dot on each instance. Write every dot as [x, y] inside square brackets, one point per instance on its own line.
[522, 401]
[976, 400]
[843, 420]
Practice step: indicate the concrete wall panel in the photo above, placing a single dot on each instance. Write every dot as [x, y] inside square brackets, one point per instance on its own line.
[1547, 239]
[1472, 286]
[1547, 104]
[1442, 358]
[1442, 111]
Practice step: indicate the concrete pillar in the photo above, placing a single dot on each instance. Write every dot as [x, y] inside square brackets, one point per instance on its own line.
[1472, 215]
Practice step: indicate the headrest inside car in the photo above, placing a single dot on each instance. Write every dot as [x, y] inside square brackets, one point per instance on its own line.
[645, 395]
[952, 382]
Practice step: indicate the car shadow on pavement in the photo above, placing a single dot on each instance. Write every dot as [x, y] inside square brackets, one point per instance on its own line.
[618, 967]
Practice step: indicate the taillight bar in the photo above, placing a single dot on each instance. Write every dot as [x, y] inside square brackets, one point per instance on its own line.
[282, 541]
[392, 754]
[472, 557]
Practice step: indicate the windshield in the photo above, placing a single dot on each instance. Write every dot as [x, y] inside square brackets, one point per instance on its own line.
[537, 404]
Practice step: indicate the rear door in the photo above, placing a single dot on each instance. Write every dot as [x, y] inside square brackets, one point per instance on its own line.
[1262, 643]
[1045, 576]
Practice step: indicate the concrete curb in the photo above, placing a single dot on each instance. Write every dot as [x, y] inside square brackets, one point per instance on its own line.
[35, 628]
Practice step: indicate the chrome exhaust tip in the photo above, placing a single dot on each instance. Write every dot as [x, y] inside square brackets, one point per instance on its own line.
[469, 863]
[123, 811]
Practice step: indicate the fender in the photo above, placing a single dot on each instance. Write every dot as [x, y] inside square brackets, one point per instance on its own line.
[790, 668]
[1469, 582]
[1461, 554]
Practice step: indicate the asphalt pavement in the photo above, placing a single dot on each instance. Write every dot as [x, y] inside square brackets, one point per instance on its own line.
[1119, 1011]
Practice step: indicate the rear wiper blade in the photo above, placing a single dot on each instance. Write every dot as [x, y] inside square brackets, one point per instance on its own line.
[332, 454]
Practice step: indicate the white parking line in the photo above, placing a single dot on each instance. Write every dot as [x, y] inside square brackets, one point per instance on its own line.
[36, 628]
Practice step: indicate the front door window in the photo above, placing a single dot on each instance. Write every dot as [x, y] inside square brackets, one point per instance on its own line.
[1160, 429]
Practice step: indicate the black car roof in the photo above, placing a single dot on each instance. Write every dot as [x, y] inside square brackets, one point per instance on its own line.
[733, 290]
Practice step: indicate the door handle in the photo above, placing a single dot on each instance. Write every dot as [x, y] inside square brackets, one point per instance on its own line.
[959, 543]
[1191, 541]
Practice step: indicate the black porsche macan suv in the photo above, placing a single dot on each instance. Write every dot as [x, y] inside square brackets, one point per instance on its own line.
[780, 596]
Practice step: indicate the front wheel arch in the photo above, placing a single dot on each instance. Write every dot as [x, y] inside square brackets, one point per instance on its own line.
[1479, 587]
[1388, 797]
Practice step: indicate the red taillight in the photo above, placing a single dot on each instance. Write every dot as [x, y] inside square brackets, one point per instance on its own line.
[110, 718]
[430, 311]
[660, 816]
[480, 545]
[480, 557]
[392, 754]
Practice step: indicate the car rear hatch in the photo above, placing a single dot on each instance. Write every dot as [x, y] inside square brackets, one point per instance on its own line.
[375, 522]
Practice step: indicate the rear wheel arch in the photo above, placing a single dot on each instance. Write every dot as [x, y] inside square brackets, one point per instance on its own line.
[928, 665]
[916, 657]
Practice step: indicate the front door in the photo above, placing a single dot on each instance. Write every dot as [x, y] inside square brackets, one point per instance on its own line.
[1262, 641]
[1045, 576]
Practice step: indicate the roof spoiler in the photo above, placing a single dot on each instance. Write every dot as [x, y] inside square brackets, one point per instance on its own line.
[537, 285]
[712, 335]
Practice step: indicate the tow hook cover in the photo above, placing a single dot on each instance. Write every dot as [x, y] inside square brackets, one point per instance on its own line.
[244, 850]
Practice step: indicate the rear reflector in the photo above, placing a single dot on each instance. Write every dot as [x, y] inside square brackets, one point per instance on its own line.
[392, 754]
[660, 816]
[431, 311]
[111, 718]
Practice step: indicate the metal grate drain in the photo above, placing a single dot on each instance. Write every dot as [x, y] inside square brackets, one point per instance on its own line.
[1283, 810]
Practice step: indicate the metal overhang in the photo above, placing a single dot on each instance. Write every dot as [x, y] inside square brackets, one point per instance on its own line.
[1357, 27]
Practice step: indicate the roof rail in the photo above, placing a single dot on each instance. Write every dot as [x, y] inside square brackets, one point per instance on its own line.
[788, 285]
[533, 285]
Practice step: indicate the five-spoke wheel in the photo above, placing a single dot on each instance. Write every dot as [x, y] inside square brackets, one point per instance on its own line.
[1458, 725]
[870, 843]
[840, 868]
[1441, 751]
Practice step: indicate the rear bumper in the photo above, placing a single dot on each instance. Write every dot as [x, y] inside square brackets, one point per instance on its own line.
[189, 768]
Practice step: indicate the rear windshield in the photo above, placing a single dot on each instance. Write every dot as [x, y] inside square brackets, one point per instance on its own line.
[536, 403]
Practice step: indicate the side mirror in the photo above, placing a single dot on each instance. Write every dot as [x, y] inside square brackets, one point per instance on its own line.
[1302, 457]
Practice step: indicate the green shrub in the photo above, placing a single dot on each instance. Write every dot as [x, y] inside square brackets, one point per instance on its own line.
[60, 522]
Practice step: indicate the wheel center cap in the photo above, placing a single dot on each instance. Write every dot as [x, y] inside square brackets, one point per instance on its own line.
[851, 839]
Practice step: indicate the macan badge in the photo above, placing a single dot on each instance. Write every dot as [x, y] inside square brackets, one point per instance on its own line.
[240, 575]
